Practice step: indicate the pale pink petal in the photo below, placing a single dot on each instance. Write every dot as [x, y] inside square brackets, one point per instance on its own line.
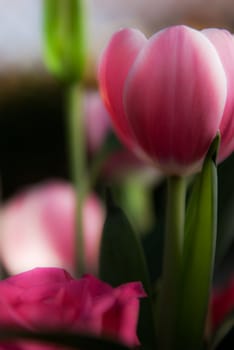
[38, 228]
[56, 209]
[115, 63]
[93, 226]
[224, 44]
[25, 242]
[97, 121]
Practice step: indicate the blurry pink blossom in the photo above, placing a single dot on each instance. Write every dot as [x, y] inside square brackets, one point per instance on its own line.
[118, 163]
[49, 299]
[38, 228]
[124, 163]
[97, 120]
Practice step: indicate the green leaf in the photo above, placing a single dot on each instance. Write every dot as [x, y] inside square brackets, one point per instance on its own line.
[64, 39]
[122, 260]
[198, 256]
[73, 340]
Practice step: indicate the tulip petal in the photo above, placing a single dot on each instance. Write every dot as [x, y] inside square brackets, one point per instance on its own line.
[174, 98]
[224, 44]
[116, 61]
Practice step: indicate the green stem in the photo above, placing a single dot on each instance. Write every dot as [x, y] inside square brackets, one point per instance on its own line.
[173, 249]
[77, 152]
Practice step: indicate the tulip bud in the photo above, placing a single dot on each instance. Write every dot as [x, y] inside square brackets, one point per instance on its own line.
[64, 44]
[166, 95]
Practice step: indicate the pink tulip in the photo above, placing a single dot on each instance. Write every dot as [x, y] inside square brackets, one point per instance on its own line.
[166, 95]
[37, 228]
[222, 304]
[49, 299]
[224, 44]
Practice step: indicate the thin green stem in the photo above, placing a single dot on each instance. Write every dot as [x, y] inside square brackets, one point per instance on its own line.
[77, 152]
[173, 249]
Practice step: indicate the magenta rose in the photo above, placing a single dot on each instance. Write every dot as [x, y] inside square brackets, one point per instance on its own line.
[49, 299]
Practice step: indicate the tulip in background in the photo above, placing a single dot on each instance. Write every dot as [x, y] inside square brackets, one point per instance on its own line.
[117, 163]
[49, 299]
[38, 228]
[97, 121]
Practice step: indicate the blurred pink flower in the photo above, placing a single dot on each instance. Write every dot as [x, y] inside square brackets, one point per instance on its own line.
[97, 120]
[38, 228]
[222, 304]
[49, 299]
[166, 95]
[118, 163]
[124, 163]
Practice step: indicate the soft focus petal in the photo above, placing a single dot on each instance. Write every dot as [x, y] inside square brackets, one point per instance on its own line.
[224, 44]
[174, 98]
[38, 228]
[123, 163]
[114, 67]
[119, 163]
[97, 121]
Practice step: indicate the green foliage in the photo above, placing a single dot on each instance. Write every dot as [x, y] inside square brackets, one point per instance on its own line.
[198, 256]
[64, 39]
